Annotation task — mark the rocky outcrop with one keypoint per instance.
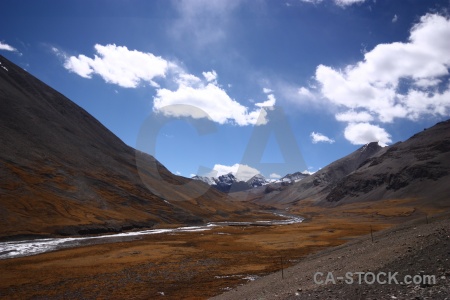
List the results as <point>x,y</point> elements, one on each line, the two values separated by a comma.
<point>419,161</point>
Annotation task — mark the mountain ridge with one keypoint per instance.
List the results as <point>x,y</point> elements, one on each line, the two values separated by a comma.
<point>228,183</point>
<point>373,173</point>
<point>69,174</point>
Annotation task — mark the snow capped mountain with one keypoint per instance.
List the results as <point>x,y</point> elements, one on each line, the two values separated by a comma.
<point>229,182</point>
<point>227,179</point>
<point>295,177</point>
<point>257,180</point>
<point>205,179</point>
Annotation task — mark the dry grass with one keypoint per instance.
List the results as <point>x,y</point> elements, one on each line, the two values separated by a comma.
<point>193,265</point>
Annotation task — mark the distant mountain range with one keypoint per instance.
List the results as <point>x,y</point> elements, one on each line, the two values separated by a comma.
<point>228,183</point>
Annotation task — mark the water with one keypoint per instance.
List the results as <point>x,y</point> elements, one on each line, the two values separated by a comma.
<point>37,246</point>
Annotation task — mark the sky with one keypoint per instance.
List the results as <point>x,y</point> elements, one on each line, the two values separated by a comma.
<point>245,86</point>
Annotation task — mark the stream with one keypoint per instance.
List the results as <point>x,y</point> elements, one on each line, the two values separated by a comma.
<point>15,249</point>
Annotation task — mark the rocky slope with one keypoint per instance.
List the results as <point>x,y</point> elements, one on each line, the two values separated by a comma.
<point>257,180</point>
<point>319,184</point>
<point>417,168</point>
<point>294,177</point>
<point>63,172</point>
<point>413,249</point>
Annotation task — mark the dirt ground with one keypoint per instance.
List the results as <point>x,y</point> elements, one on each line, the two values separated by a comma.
<point>194,265</point>
<point>366,269</point>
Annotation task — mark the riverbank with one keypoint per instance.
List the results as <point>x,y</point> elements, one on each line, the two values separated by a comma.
<point>28,247</point>
<point>192,265</point>
<point>411,261</point>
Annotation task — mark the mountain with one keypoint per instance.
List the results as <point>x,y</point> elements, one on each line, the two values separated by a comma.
<point>228,183</point>
<point>205,179</point>
<point>225,183</point>
<point>295,177</point>
<point>418,168</point>
<point>257,180</point>
<point>63,172</point>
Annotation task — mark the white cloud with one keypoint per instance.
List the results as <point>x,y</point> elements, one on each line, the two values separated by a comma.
<point>177,173</point>
<point>118,65</point>
<point>212,99</point>
<point>267,91</point>
<point>347,2</point>
<point>242,172</point>
<point>128,68</point>
<point>341,3</point>
<point>363,133</point>
<point>274,176</point>
<point>396,80</point>
<point>210,76</point>
<point>317,137</point>
<point>6,47</point>
<point>268,103</point>
<point>353,116</point>
<point>312,1</point>
<point>376,85</point>
<point>395,19</point>
<point>306,93</point>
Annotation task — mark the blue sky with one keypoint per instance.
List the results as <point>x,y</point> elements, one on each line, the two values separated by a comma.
<point>320,77</point>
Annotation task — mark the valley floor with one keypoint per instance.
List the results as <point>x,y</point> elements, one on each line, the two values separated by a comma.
<point>412,261</point>
<point>199,265</point>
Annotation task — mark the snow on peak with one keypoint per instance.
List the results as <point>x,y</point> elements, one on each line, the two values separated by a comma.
<point>3,67</point>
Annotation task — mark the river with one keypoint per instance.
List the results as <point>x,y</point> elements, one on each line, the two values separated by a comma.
<point>15,249</point>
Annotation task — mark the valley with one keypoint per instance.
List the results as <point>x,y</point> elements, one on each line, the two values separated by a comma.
<point>199,264</point>
<point>89,217</point>
<point>13,249</point>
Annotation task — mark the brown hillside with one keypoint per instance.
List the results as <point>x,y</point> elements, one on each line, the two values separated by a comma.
<point>63,172</point>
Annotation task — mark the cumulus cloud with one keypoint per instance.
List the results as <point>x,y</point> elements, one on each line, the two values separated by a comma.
<point>363,133</point>
<point>210,76</point>
<point>269,102</point>
<point>267,91</point>
<point>317,137</point>
<point>396,80</point>
<point>240,171</point>
<point>376,85</point>
<point>118,65</point>
<point>129,68</point>
<point>212,99</point>
<point>353,116</point>
<point>274,176</point>
<point>6,47</point>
